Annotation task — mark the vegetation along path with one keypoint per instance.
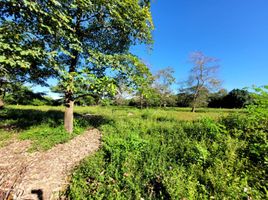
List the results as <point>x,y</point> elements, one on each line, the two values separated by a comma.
<point>42,175</point>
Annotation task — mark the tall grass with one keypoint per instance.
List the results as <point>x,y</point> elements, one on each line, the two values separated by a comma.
<point>154,154</point>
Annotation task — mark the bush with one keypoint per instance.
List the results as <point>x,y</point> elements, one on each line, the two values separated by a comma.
<point>38,102</point>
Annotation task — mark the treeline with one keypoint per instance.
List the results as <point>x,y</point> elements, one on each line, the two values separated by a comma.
<point>23,95</point>
<point>237,98</point>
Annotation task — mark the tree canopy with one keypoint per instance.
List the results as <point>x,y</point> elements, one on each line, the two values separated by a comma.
<point>84,44</point>
<point>202,78</point>
<point>163,81</point>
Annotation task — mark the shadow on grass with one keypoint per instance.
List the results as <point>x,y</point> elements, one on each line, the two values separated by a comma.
<point>158,189</point>
<point>23,119</point>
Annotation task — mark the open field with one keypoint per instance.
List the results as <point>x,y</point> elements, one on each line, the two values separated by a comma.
<point>44,124</point>
<point>175,154</point>
<point>133,100</point>
<point>154,153</point>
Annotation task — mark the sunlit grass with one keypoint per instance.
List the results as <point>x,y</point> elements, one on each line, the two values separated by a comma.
<point>148,153</point>
<point>43,125</point>
<point>5,137</point>
<point>167,154</point>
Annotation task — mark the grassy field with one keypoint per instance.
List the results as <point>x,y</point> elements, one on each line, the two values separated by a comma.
<point>175,154</point>
<point>155,153</point>
<point>44,124</point>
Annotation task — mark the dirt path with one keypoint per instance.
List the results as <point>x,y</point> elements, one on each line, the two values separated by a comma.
<point>41,175</point>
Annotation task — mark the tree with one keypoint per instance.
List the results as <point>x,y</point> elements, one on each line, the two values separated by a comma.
<point>144,91</point>
<point>237,98</point>
<point>22,95</point>
<point>163,80</point>
<point>122,94</point>
<point>3,80</point>
<point>22,49</point>
<point>85,43</point>
<point>202,78</point>
<point>216,100</point>
<point>183,99</point>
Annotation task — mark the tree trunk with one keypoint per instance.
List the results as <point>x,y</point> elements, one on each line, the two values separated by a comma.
<point>141,101</point>
<point>69,100</point>
<point>69,116</point>
<point>1,103</point>
<point>195,99</point>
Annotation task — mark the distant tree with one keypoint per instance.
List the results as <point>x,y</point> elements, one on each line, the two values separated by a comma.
<point>216,100</point>
<point>202,78</point>
<point>23,95</point>
<point>144,92</point>
<point>83,42</point>
<point>145,97</point>
<point>183,99</point>
<point>163,81</point>
<point>237,98</point>
<point>172,100</point>
<point>123,92</point>
<point>86,101</point>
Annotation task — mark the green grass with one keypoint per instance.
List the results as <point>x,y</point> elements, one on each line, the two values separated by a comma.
<point>43,125</point>
<point>5,137</point>
<point>155,153</point>
<point>174,154</point>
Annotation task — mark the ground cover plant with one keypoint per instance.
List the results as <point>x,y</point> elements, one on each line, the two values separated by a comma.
<point>153,154</point>
<point>166,153</point>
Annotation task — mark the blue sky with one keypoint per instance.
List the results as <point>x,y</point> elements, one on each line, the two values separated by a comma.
<point>234,31</point>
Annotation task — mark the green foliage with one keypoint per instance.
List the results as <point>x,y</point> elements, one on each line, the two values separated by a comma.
<point>162,85</point>
<point>22,51</point>
<point>237,99</point>
<point>86,101</point>
<point>83,44</point>
<point>22,120</point>
<point>183,99</point>
<point>152,155</point>
<point>106,102</point>
<point>23,95</point>
<point>78,40</point>
<point>253,130</point>
<point>156,153</point>
<point>260,98</point>
<point>216,100</point>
